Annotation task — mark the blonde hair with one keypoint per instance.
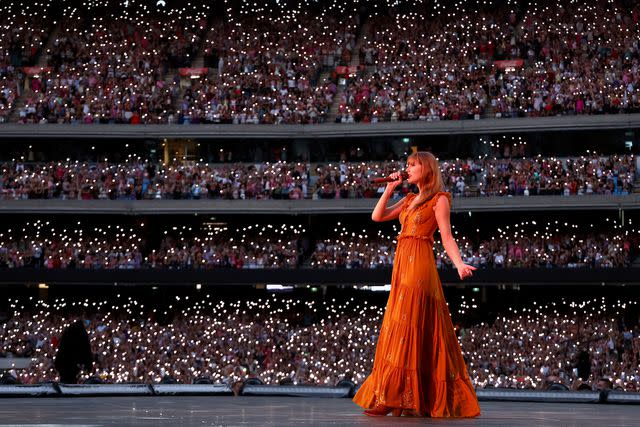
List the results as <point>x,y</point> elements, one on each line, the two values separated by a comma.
<point>431,181</point>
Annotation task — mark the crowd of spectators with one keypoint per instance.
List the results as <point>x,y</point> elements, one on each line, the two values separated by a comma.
<point>589,174</point>
<point>268,68</point>
<point>42,244</point>
<point>10,88</point>
<point>140,179</point>
<point>572,62</point>
<point>582,344</point>
<point>23,36</point>
<point>253,246</point>
<point>21,41</point>
<point>123,68</point>
<point>112,69</point>
<point>421,68</point>
<point>443,63</point>
<point>349,249</point>
<point>523,245</point>
<point>532,245</point>
<point>450,66</point>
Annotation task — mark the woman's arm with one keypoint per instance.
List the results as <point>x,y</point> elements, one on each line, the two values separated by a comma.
<point>383,213</point>
<point>442,210</point>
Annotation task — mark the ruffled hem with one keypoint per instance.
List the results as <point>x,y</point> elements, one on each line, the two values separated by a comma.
<point>387,392</point>
<point>418,364</point>
<point>443,397</point>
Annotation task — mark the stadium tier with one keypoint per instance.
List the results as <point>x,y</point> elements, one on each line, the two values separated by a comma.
<point>136,62</point>
<point>138,179</point>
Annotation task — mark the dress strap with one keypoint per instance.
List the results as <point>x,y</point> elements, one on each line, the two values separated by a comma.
<point>439,194</point>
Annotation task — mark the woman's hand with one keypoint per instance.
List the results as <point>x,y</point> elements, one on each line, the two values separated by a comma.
<point>465,271</point>
<point>397,176</point>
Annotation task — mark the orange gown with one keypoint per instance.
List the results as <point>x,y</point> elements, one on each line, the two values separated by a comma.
<point>418,363</point>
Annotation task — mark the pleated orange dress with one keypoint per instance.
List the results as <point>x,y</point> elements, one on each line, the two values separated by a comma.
<point>418,362</point>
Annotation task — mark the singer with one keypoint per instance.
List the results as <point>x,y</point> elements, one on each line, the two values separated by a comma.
<point>418,367</point>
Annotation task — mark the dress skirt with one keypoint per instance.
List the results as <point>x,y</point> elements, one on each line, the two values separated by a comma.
<point>418,362</point>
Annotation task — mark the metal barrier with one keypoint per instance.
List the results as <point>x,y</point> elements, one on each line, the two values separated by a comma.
<point>503,395</point>
<point>36,390</point>
<point>484,395</point>
<point>191,389</point>
<point>296,390</point>
<point>106,389</point>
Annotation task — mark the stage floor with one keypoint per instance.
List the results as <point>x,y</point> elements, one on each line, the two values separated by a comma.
<point>284,411</point>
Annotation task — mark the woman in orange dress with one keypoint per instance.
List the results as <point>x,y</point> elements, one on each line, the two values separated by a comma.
<point>418,366</point>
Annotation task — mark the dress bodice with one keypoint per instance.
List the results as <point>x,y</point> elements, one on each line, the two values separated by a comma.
<point>421,222</point>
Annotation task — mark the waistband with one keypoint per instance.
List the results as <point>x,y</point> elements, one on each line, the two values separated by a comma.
<point>428,239</point>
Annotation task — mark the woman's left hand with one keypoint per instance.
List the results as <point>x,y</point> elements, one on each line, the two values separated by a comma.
<point>465,271</point>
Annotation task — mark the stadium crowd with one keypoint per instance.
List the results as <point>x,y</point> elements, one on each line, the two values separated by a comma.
<point>20,43</point>
<point>111,70</point>
<point>423,68</point>
<point>10,89</point>
<point>349,249</point>
<point>284,340</point>
<point>40,244</point>
<point>524,245</point>
<point>140,179</point>
<point>268,69</point>
<point>252,246</point>
<point>572,63</point>
<point>267,62</point>
<point>528,244</point>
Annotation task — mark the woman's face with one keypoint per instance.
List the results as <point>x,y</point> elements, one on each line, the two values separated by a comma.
<point>414,169</point>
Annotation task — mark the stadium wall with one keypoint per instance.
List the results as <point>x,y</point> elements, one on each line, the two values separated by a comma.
<point>90,133</point>
<point>322,206</point>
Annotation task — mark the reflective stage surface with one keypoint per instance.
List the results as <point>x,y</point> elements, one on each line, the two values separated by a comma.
<point>284,411</point>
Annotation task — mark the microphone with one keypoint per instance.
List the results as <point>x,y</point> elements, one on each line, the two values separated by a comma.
<point>403,175</point>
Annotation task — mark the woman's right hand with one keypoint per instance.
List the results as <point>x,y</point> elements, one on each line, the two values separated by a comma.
<point>397,176</point>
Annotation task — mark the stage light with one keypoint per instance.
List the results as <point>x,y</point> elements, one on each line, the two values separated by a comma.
<point>276,287</point>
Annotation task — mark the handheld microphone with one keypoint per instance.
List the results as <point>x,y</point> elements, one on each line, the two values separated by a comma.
<point>403,175</point>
